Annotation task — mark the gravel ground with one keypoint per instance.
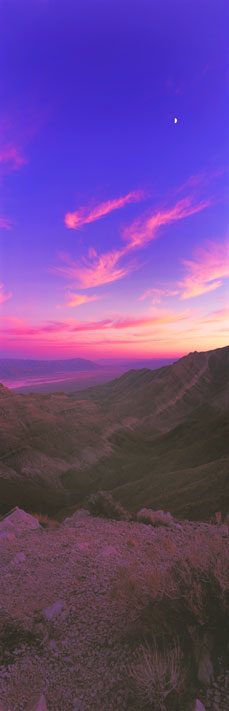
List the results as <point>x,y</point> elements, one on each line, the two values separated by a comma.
<point>58,591</point>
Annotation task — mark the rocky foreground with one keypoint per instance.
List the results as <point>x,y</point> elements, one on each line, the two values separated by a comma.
<point>65,641</point>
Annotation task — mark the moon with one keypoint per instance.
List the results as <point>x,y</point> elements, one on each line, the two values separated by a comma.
<point>175,120</point>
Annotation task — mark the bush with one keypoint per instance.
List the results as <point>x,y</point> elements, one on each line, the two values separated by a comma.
<point>102,504</point>
<point>155,518</point>
<point>46,522</point>
<point>181,593</point>
<point>155,675</point>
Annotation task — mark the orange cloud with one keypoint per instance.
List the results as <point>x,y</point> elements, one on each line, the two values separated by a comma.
<point>84,215</point>
<point>207,271</point>
<point>78,299</point>
<point>3,295</point>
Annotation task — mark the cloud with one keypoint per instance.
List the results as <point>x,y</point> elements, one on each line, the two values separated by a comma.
<point>157,294</point>
<point>11,156</point>
<point>14,327</point>
<point>5,223</point>
<point>95,270</point>
<point>84,215</point>
<point>144,230</point>
<point>218,316</point>
<point>207,271</point>
<point>3,296</point>
<point>78,299</point>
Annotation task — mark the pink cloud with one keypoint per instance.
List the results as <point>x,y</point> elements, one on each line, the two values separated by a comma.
<point>84,215</point>
<point>78,299</point>
<point>97,270</point>
<point>11,156</point>
<point>5,223</point>
<point>157,294</point>
<point>207,271</point>
<point>144,230</point>
<point>21,329</point>
<point>216,316</point>
<point>3,296</point>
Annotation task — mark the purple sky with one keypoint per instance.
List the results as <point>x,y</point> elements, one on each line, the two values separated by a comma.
<point>112,215</point>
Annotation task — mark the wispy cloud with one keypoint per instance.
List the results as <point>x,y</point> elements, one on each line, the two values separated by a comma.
<point>218,316</point>
<point>207,271</point>
<point>96,270</point>
<point>157,294</point>
<point>78,299</point>
<point>3,296</point>
<point>120,322</point>
<point>5,223</point>
<point>144,230</point>
<point>88,213</point>
<point>11,156</point>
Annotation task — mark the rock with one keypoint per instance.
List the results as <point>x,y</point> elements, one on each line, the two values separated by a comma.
<point>109,550</point>
<point>77,516</point>
<point>38,703</point>
<point>198,706</point>
<point>18,558</point>
<point>58,608</point>
<point>8,537</point>
<point>19,521</point>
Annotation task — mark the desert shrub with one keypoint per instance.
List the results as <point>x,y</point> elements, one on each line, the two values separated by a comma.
<point>46,522</point>
<point>155,518</point>
<point>155,674</point>
<point>102,504</point>
<point>180,594</point>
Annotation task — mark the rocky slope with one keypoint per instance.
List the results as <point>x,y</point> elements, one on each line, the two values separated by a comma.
<point>159,438</point>
<point>64,623</point>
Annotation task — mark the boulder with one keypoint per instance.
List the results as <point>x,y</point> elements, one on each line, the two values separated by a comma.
<point>198,706</point>
<point>18,558</point>
<point>18,521</point>
<point>58,608</point>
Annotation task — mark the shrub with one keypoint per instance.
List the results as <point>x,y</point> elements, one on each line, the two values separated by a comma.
<point>102,504</point>
<point>155,518</point>
<point>155,675</point>
<point>179,594</point>
<point>46,522</point>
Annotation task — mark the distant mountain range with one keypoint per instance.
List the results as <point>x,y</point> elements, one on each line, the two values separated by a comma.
<point>155,438</point>
<point>14,367</point>
<point>68,375</point>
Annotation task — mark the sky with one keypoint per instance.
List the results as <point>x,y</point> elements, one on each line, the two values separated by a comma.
<point>113,178</point>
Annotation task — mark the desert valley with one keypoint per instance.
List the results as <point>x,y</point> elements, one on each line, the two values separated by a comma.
<point>114,355</point>
<point>114,543</point>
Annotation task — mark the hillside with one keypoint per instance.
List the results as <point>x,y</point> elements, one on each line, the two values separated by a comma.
<point>88,603</point>
<point>152,437</point>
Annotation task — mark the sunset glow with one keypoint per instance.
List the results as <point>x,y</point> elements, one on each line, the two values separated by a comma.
<point>113,212</point>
